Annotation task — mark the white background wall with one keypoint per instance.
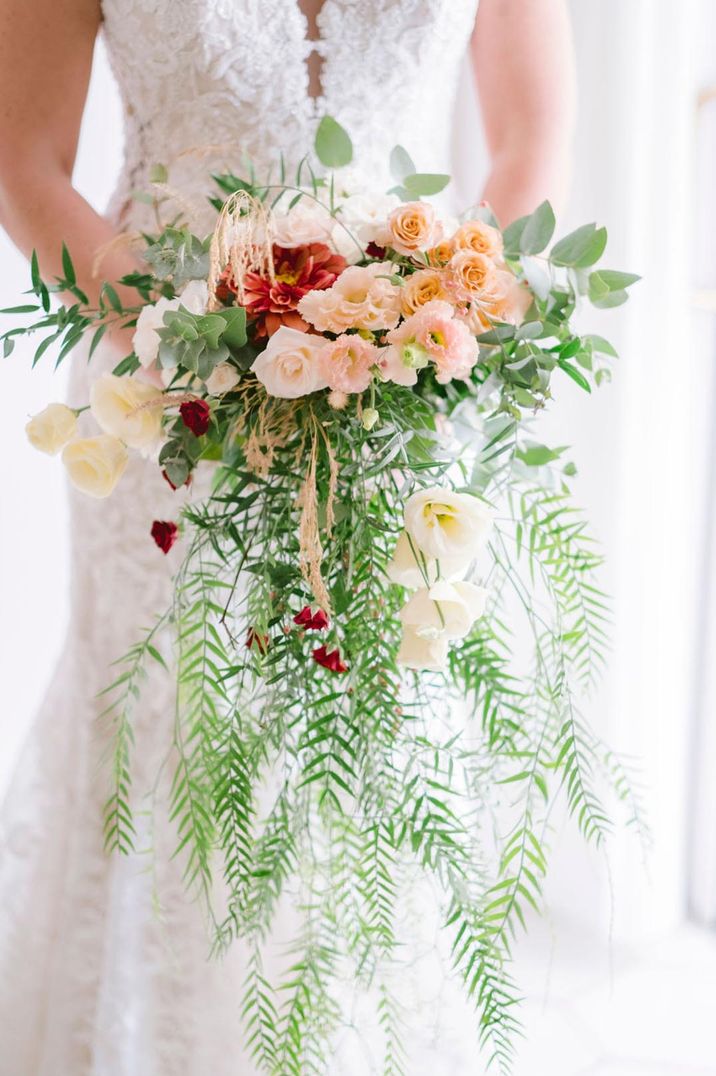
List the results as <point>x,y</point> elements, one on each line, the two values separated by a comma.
<point>640,444</point>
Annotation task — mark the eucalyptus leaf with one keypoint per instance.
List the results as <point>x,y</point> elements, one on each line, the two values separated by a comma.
<point>581,248</point>
<point>538,230</point>
<point>537,278</point>
<point>512,237</point>
<point>423,184</point>
<point>401,164</point>
<point>333,146</point>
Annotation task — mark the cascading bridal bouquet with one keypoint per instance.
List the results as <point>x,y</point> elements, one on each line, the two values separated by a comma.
<point>366,373</point>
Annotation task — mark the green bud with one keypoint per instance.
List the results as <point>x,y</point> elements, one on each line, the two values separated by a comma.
<point>370,417</point>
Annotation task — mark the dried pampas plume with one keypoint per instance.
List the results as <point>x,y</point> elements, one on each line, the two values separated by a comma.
<point>242,241</point>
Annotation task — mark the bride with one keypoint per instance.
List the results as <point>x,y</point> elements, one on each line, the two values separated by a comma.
<point>103,959</point>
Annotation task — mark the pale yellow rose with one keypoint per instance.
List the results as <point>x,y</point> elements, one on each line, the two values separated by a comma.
<point>421,288</point>
<point>129,409</point>
<point>444,523</point>
<point>414,227</point>
<point>418,652</point>
<point>52,428</point>
<point>475,276</point>
<point>95,464</point>
<point>444,610</point>
<point>480,237</point>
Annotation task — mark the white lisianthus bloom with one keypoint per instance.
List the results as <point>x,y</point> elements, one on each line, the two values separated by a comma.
<point>95,464</point>
<point>223,378</point>
<point>362,217</point>
<point>408,570</point>
<point>291,365</point>
<point>52,428</point>
<point>194,298</point>
<point>418,652</point>
<point>444,610</point>
<point>443,523</point>
<point>128,409</point>
<point>306,222</point>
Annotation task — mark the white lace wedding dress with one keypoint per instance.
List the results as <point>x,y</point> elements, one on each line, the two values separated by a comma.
<point>103,959</point>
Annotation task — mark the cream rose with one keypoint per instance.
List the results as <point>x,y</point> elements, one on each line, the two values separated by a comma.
<point>408,570</point>
<point>128,409</point>
<point>418,652</point>
<point>444,610</point>
<point>306,222</point>
<point>146,341</point>
<point>414,227</point>
<point>52,428</point>
<point>223,378</point>
<point>362,219</point>
<point>291,364</point>
<point>95,464</point>
<point>443,523</point>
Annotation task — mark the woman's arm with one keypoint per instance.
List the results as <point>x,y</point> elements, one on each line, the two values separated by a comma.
<point>524,67</point>
<point>46,51</point>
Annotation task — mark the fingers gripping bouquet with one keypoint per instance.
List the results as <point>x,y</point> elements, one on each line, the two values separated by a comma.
<point>366,372</point>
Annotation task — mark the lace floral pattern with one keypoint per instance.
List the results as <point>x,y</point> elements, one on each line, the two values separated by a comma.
<point>103,959</point>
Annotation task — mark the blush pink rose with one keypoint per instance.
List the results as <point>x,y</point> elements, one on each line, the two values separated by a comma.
<point>347,363</point>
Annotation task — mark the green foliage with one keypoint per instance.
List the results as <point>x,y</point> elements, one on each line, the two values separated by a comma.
<point>333,146</point>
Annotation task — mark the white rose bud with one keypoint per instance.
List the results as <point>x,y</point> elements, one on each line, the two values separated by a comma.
<point>443,523</point>
<point>52,428</point>
<point>223,378</point>
<point>129,409</point>
<point>418,652</point>
<point>95,464</point>
<point>445,610</point>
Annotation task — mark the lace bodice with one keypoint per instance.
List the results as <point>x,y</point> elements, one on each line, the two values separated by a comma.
<point>233,75</point>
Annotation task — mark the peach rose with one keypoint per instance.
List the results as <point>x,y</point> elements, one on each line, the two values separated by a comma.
<point>414,227</point>
<point>475,276</point>
<point>480,237</point>
<point>440,255</point>
<point>421,288</point>
<point>363,297</point>
<point>347,363</point>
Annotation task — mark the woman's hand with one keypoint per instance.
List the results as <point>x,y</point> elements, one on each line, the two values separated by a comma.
<point>524,67</point>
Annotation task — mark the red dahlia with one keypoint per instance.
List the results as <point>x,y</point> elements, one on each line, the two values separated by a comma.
<point>297,270</point>
<point>195,415</point>
<point>329,660</point>
<point>165,534</point>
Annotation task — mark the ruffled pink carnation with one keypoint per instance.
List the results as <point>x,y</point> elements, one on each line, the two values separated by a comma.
<point>347,363</point>
<point>432,334</point>
<point>361,298</point>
